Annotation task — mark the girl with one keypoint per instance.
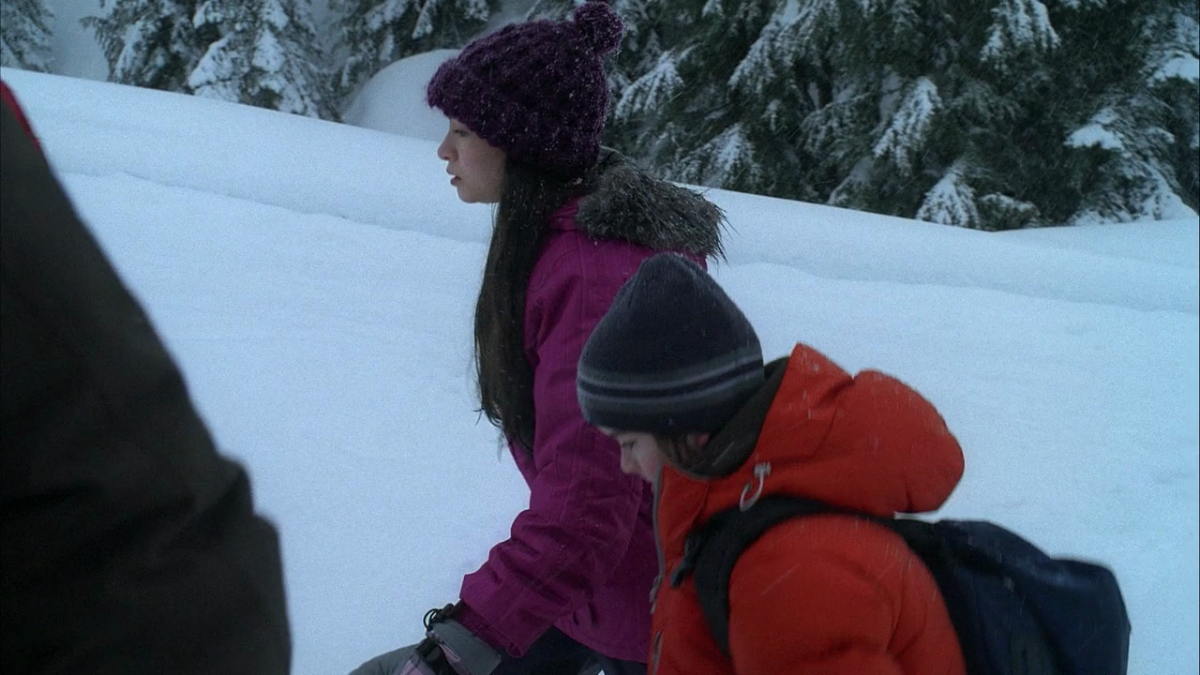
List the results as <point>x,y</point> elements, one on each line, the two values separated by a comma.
<point>568,593</point>
<point>674,372</point>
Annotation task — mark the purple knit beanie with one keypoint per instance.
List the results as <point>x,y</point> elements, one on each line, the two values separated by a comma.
<point>536,90</point>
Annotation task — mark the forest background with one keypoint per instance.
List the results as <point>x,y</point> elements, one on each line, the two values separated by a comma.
<point>987,114</point>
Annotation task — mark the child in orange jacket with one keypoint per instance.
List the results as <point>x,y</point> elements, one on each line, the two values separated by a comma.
<point>674,372</point>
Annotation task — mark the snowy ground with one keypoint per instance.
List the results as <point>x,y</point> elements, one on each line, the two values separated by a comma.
<point>316,283</point>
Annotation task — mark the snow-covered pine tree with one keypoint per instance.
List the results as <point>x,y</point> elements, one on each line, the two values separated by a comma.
<point>823,53</point>
<point>265,53</point>
<point>1029,112</point>
<point>149,43</point>
<point>25,34</point>
<point>950,111</point>
<point>876,85</point>
<point>680,114</point>
<point>1139,144</point>
<point>1092,139</point>
<point>640,52</point>
<point>727,101</point>
<point>950,201</point>
<point>1172,75</point>
<point>374,33</point>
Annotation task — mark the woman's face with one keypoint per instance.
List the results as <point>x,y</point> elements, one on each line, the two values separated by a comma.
<point>477,167</point>
<point>640,454</point>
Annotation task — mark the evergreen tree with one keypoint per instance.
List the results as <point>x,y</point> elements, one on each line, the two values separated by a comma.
<point>681,114</point>
<point>1139,142</point>
<point>641,48</point>
<point>149,43</point>
<point>266,55</point>
<point>1030,112</point>
<point>375,33</point>
<point>25,34</point>
<point>1172,75</point>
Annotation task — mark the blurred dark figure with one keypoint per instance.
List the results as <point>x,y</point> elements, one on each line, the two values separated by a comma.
<point>127,544</point>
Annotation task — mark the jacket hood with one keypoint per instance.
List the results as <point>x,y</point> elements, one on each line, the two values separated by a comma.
<point>867,442</point>
<point>625,203</point>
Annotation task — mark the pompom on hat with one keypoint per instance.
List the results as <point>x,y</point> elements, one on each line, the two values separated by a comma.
<point>536,90</point>
<point>673,355</point>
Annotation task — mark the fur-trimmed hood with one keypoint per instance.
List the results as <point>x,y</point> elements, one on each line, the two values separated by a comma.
<point>626,203</point>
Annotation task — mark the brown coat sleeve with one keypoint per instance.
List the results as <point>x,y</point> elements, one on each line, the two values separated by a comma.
<point>129,544</point>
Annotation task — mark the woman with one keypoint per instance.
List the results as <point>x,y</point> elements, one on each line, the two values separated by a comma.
<point>569,591</point>
<point>675,373</point>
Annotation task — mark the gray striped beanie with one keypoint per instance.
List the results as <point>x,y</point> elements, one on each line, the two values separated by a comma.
<point>673,355</point>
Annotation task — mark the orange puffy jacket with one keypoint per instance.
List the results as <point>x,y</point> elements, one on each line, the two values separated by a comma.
<point>827,594</point>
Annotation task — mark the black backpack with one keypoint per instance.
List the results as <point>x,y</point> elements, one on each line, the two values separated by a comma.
<point>1016,610</point>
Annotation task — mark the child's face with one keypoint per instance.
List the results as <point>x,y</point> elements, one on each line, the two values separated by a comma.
<point>477,166</point>
<point>640,454</point>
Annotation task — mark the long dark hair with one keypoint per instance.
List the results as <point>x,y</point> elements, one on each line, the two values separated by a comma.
<point>504,375</point>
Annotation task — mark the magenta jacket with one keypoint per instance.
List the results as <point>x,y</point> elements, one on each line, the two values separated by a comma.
<point>582,556</point>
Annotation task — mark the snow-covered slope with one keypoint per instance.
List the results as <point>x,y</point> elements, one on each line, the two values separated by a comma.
<point>316,282</point>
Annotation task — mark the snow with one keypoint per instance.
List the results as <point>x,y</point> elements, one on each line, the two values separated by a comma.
<point>749,75</point>
<point>276,16</point>
<point>424,24</point>
<point>725,156</point>
<point>316,283</point>
<point>789,12</point>
<point>386,12</point>
<point>387,103</point>
<point>76,51</point>
<point>1184,66</point>
<point>269,55</point>
<point>1096,133</point>
<point>910,125</point>
<point>1019,24</point>
<point>213,76</point>
<point>653,90</point>
<point>951,201</point>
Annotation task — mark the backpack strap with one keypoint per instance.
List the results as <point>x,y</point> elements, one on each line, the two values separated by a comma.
<point>1010,604</point>
<point>711,551</point>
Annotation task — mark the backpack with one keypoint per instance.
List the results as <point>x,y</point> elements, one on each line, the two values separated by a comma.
<point>1016,610</point>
